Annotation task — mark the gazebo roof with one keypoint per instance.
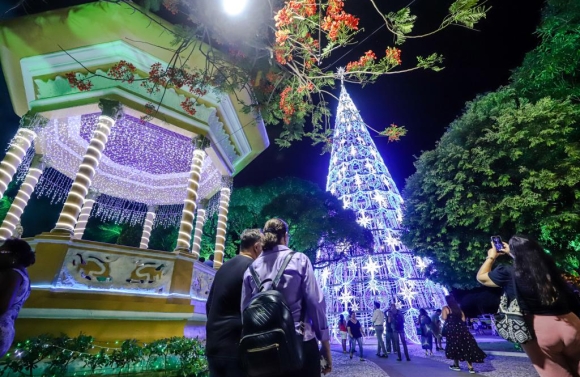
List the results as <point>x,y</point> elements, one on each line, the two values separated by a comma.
<point>36,52</point>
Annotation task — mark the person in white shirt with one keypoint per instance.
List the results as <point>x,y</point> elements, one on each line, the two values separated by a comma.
<point>378,322</point>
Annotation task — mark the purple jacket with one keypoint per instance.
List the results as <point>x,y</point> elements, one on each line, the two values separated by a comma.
<point>297,283</point>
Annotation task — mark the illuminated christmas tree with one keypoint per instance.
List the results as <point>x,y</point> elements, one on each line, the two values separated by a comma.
<point>359,177</point>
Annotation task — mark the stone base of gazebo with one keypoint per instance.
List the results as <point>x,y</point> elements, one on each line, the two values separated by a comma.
<point>112,292</point>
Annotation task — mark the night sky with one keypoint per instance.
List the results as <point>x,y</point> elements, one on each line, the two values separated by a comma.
<point>425,102</point>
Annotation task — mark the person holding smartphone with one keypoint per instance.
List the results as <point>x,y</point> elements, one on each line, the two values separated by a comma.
<point>544,298</point>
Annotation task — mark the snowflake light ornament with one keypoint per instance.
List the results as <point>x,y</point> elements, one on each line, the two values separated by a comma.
<point>359,177</point>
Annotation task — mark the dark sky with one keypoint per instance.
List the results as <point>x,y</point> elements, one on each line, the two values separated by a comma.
<point>425,102</point>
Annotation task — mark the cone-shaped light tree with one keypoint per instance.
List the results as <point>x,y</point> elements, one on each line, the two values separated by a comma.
<point>360,179</point>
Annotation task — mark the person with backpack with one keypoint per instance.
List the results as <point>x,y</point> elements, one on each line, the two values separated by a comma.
<point>396,320</point>
<point>224,319</point>
<point>283,312</point>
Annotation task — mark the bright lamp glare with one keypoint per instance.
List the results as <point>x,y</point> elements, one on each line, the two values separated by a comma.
<point>234,7</point>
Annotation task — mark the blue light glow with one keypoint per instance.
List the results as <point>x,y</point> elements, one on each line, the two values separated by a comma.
<point>113,290</point>
<point>359,177</point>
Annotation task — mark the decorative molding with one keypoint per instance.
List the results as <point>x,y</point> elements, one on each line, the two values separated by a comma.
<point>59,86</point>
<point>222,138</point>
<point>233,125</point>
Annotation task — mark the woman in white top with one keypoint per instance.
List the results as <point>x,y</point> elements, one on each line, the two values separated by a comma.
<point>15,256</point>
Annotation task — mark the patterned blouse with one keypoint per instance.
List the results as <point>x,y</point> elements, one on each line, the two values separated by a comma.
<point>7,319</point>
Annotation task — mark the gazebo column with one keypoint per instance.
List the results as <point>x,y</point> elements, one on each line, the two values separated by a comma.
<point>111,112</point>
<point>199,222</point>
<point>12,219</point>
<point>83,219</point>
<point>147,226</point>
<point>189,204</point>
<point>19,147</point>
<point>222,224</point>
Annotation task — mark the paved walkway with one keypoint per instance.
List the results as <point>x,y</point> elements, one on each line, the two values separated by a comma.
<point>422,366</point>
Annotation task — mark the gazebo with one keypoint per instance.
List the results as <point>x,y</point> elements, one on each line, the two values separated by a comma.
<point>100,153</point>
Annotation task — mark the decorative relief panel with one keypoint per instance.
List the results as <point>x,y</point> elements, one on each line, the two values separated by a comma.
<point>201,281</point>
<point>102,270</point>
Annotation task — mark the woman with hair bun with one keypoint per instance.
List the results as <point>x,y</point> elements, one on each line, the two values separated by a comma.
<point>15,256</point>
<point>299,287</point>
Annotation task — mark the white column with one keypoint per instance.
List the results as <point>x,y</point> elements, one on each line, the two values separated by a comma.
<point>222,224</point>
<point>83,219</point>
<point>147,226</point>
<point>190,202</point>
<point>199,222</point>
<point>111,112</point>
<point>12,219</point>
<point>19,147</point>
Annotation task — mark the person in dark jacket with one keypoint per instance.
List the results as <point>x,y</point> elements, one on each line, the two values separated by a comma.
<point>396,320</point>
<point>224,318</point>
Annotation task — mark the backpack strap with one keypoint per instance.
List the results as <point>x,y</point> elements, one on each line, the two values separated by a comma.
<point>281,270</point>
<point>256,278</point>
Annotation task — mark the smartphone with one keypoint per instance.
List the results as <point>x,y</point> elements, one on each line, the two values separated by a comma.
<point>496,241</point>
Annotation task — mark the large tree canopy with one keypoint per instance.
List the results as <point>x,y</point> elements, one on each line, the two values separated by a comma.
<point>510,164</point>
<point>507,165</point>
<point>553,69</point>
<point>319,226</point>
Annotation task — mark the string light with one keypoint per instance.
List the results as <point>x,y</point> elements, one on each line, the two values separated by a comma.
<point>359,177</point>
<point>141,162</point>
<point>147,226</point>
<point>222,223</point>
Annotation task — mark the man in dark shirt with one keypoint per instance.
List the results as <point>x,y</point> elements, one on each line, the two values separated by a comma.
<point>224,319</point>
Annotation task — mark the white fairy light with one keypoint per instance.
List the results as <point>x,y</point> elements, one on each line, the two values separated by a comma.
<point>359,177</point>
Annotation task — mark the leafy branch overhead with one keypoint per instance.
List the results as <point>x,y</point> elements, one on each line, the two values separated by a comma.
<point>286,53</point>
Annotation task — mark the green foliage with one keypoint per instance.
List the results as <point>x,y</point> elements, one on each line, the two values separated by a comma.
<point>402,23</point>
<point>100,231</point>
<point>178,355</point>
<point>8,198</point>
<point>317,221</point>
<point>553,68</point>
<point>506,165</point>
<point>510,163</point>
<point>130,235</point>
<point>163,238</point>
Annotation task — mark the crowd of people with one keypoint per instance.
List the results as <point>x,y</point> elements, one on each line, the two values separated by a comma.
<point>460,344</point>
<point>549,308</point>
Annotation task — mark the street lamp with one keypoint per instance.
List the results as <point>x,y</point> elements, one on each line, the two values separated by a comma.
<point>234,7</point>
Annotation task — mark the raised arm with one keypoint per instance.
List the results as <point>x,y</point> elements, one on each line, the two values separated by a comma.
<point>484,270</point>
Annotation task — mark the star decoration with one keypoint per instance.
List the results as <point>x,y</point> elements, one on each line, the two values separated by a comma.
<point>391,241</point>
<point>421,264</point>
<point>352,266</point>
<point>371,268</point>
<point>373,287</point>
<point>380,199</point>
<point>407,292</point>
<point>354,306</point>
<point>346,296</point>
<point>364,221</point>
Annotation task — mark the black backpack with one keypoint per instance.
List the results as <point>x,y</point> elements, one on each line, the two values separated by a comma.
<point>270,344</point>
